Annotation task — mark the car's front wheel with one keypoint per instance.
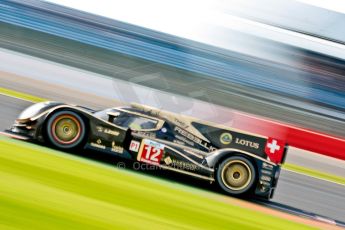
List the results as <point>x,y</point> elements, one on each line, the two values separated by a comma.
<point>65,130</point>
<point>236,175</point>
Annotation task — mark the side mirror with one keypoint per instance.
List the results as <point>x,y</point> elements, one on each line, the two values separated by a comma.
<point>112,116</point>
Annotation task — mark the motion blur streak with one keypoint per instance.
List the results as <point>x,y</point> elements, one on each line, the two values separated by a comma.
<point>124,91</point>
<point>242,63</point>
<point>261,63</point>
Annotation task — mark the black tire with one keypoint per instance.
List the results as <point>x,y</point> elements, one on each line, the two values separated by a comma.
<point>65,130</point>
<point>236,175</point>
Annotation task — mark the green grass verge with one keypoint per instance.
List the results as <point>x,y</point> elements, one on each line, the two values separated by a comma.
<point>24,96</point>
<point>314,173</point>
<point>46,189</point>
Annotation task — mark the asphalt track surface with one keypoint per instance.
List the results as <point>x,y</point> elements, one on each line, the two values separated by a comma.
<point>296,193</point>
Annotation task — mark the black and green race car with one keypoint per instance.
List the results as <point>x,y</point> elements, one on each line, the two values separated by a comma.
<point>239,162</point>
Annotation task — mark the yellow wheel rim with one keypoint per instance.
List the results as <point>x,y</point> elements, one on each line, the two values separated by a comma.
<point>236,175</point>
<point>66,129</point>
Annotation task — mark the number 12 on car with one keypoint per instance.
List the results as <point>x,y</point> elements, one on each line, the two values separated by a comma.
<point>151,152</point>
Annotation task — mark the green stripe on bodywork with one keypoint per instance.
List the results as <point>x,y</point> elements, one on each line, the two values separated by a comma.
<point>314,173</point>
<point>46,189</point>
<point>23,96</point>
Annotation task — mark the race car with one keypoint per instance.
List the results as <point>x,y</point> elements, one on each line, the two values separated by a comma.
<point>240,163</point>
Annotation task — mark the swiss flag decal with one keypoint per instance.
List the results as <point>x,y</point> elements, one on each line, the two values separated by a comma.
<point>275,149</point>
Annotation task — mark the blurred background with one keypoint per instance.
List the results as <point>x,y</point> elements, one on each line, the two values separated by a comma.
<point>272,67</point>
<point>279,59</point>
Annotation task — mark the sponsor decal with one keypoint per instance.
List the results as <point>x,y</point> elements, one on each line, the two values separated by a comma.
<point>265,183</point>
<point>134,146</point>
<point>265,178</point>
<point>116,148</point>
<point>187,135</point>
<point>168,160</point>
<point>267,172</point>
<point>264,186</point>
<point>179,142</point>
<point>99,129</point>
<point>181,123</point>
<point>226,138</point>
<point>247,143</point>
<point>183,139</point>
<point>147,134</point>
<point>164,130</point>
<point>151,152</point>
<point>275,149</point>
<point>111,132</point>
<point>193,138</point>
<point>267,166</point>
<point>183,165</point>
<point>98,144</point>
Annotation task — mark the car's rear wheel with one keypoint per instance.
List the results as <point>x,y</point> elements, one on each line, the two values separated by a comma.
<point>236,175</point>
<point>65,130</point>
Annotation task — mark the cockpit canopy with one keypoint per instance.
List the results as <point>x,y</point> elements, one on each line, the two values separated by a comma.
<point>130,119</point>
